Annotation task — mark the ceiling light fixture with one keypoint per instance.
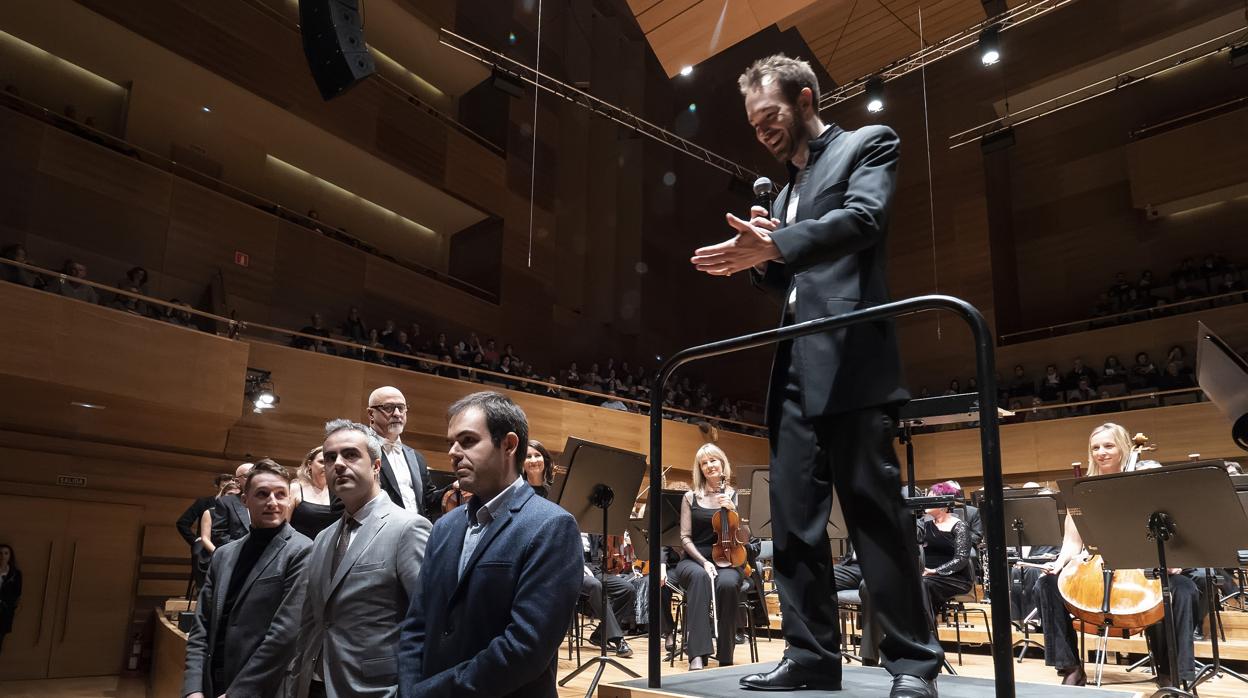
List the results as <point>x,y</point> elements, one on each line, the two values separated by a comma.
<point>875,94</point>
<point>259,390</point>
<point>990,45</point>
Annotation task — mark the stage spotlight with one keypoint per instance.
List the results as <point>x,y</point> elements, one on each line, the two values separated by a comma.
<point>259,390</point>
<point>875,94</point>
<point>686,71</point>
<point>990,45</point>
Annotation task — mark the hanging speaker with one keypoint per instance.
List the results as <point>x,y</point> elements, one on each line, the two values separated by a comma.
<point>333,42</point>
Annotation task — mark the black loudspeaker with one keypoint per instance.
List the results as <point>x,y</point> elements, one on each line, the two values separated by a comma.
<point>333,42</point>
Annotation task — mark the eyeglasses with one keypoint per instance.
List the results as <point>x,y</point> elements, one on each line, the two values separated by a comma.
<point>390,409</point>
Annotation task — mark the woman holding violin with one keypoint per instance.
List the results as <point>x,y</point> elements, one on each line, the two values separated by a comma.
<point>700,572</point>
<point>1109,451</point>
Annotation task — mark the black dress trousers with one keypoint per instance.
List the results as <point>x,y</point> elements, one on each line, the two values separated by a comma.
<point>854,450</point>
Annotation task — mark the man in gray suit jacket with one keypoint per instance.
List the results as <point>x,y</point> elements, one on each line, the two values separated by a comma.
<point>360,576</point>
<point>239,644</point>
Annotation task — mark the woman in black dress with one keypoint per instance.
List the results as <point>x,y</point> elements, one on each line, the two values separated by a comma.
<point>946,542</point>
<point>539,468</point>
<point>10,590</point>
<point>309,496</point>
<point>696,574</point>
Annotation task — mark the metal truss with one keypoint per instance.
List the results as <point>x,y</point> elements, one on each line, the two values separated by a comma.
<point>942,49</point>
<point>523,73</point>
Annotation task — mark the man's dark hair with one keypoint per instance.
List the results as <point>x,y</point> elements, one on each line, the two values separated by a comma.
<point>265,465</point>
<point>501,417</point>
<point>791,74</point>
<point>221,479</point>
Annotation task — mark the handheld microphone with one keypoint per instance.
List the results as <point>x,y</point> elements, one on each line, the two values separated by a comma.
<point>764,193</point>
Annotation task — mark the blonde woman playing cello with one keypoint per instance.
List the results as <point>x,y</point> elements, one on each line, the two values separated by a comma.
<point>1109,451</point>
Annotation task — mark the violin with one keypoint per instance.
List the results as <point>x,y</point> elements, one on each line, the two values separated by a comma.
<point>729,547</point>
<point>453,497</point>
<point>619,555</point>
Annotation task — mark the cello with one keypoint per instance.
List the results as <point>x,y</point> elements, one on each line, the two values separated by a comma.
<point>1126,600</point>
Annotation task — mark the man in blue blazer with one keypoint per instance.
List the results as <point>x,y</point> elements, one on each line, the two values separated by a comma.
<point>501,573</point>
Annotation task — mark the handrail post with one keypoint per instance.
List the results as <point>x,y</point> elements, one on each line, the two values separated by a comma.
<point>993,516</point>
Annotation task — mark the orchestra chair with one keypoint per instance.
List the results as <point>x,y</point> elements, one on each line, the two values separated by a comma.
<point>745,606</point>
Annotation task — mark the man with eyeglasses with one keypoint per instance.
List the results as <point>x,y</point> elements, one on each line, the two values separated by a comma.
<point>404,474</point>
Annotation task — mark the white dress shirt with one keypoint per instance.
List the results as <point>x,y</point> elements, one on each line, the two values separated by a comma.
<point>393,451</point>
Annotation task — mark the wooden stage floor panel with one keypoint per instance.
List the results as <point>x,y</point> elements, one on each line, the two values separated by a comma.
<point>856,682</point>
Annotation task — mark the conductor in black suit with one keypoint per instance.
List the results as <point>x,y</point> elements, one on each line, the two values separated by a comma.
<point>404,474</point>
<point>834,397</point>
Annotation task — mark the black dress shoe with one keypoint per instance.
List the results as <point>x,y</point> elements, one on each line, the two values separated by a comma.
<point>621,648</point>
<point>789,676</point>
<point>739,638</point>
<point>906,686</point>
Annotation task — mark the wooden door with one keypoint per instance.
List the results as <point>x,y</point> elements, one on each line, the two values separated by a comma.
<point>35,527</point>
<point>101,560</point>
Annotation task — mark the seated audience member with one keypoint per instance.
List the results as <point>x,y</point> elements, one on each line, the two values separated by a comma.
<point>73,289</point>
<point>1037,413</point>
<point>190,527</point>
<point>1177,355</point>
<point>613,402</point>
<point>474,343</point>
<point>240,644</point>
<point>316,328</point>
<point>1183,291</point>
<point>1105,407</point>
<point>135,281</point>
<point>415,339</point>
<point>1113,372</point>
<point>954,387</point>
<point>1186,272</point>
<point>387,333</point>
<point>362,573</point>
<point>231,520</point>
<point>1143,373</point>
<point>491,354</point>
<point>946,543</point>
<point>15,275</point>
<point>1082,393</point>
<point>353,327</point>
<point>1118,291</point>
<point>502,573</point>
<point>375,349</point>
<point>1020,384</point>
<point>440,346</point>
<point>1050,384</point>
<point>1080,371</point>
<point>1145,284</point>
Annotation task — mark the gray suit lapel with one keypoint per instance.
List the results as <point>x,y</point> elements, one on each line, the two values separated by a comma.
<point>266,558</point>
<point>363,538</point>
<point>220,586</point>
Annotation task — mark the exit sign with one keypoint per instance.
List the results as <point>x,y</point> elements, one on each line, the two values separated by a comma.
<point>242,259</point>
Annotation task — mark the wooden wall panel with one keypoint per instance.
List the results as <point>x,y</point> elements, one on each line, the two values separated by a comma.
<point>1031,450</point>
<point>475,174</point>
<point>312,273</point>
<point>1192,160</point>
<point>206,229</point>
<point>315,388</point>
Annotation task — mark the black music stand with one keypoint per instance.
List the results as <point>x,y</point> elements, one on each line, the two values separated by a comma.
<point>1178,516</point>
<point>595,473</point>
<point>1034,521</point>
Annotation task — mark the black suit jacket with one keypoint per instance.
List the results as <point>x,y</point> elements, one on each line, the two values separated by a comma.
<point>230,520</point>
<point>429,498</point>
<point>834,255</point>
<point>260,641</point>
<point>190,518</point>
<point>496,630</point>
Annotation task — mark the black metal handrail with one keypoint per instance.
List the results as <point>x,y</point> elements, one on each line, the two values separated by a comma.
<point>991,511</point>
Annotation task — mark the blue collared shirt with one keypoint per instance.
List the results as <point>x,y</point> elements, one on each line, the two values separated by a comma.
<point>480,516</point>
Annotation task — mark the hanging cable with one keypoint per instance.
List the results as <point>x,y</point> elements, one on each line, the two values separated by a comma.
<point>537,68</point>
<point>931,195</point>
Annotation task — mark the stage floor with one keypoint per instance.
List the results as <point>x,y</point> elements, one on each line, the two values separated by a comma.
<point>856,682</point>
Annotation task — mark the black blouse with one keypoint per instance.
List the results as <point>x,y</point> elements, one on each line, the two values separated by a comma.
<point>946,552</point>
